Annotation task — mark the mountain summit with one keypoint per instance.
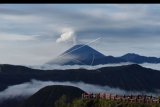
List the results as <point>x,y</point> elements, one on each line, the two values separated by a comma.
<point>78,54</point>
<point>83,55</point>
<point>83,51</point>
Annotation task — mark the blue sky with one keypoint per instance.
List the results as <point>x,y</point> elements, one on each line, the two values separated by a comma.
<point>28,32</point>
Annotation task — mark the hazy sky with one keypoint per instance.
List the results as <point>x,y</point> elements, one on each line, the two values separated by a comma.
<point>36,33</point>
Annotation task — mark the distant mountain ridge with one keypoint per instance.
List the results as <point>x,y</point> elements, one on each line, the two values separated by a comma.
<point>85,55</point>
<point>132,57</point>
<point>127,77</point>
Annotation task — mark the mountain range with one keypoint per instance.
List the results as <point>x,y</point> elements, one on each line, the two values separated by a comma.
<point>85,55</point>
<point>127,77</point>
<point>131,77</point>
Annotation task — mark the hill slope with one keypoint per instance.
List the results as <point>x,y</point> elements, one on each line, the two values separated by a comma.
<point>47,96</point>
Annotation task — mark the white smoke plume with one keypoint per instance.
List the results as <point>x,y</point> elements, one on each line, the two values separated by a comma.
<point>29,88</point>
<point>68,35</point>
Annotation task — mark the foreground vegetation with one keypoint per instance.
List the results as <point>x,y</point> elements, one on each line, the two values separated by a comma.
<point>62,102</point>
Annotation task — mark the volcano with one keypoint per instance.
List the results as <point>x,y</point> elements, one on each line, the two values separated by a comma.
<point>83,55</point>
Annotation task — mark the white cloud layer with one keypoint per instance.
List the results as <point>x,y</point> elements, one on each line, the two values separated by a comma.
<point>152,66</point>
<point>64,67</point>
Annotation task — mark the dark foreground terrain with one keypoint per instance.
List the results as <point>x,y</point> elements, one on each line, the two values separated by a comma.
<point>67,96</point>
<point>47,96</point>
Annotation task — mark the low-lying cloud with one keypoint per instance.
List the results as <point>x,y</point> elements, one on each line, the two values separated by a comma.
<point>152,66</point>
<point>29,88</point>
<point>64,67</point>
<point>89,67</point>
<point>59,61</point>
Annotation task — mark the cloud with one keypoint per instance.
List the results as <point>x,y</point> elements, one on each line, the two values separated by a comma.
<point>20,18</point>
<point>29,88</point>
<point>16,37</point>
<point>60,60</point>
<point>64,67</point>
<point>68,35</point>
<point>152,66</point>
<point>29,52</point>
<point>52,65</point>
